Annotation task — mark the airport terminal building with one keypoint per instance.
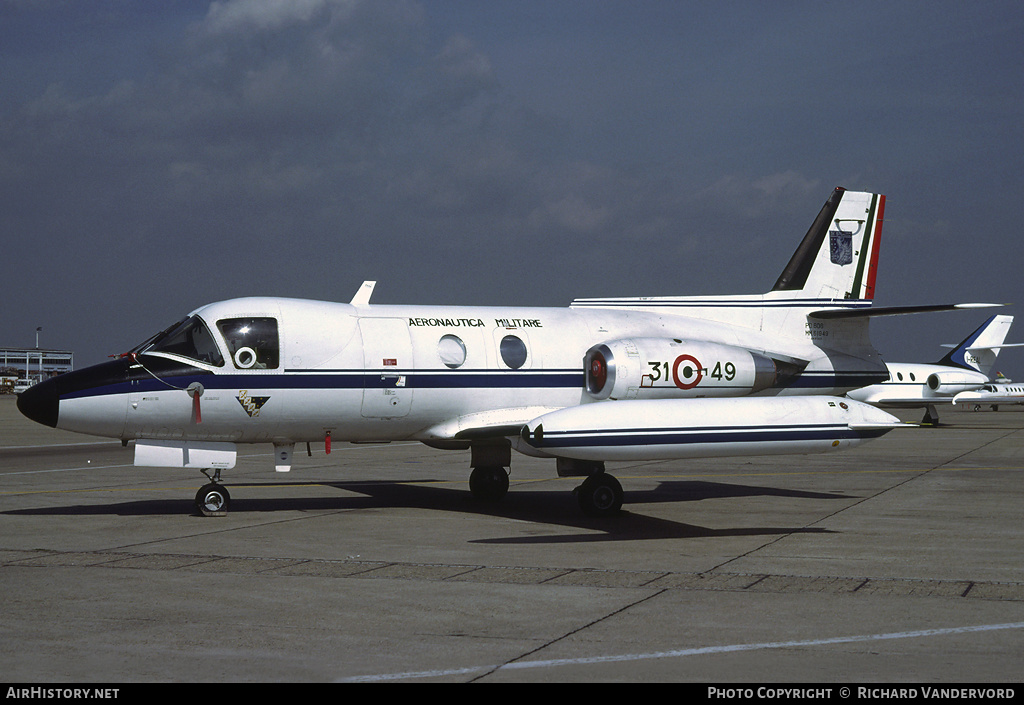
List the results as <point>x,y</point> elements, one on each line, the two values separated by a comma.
<point>32,364</point>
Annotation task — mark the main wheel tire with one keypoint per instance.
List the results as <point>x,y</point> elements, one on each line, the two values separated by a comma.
<point>213,500</point>
<point>600,495</point>
<point>488,483</point>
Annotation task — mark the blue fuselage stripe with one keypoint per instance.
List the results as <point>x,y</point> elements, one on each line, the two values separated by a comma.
<point>692,436</point>
<point>412,379</point>
<point>349,379</point>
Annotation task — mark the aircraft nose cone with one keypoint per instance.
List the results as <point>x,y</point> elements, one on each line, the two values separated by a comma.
<point>41,402</point>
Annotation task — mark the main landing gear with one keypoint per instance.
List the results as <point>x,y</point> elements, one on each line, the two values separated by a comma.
<point>600,495</point>
<point>489,483</point>
<point>213,500</point>
<point>489,480</point>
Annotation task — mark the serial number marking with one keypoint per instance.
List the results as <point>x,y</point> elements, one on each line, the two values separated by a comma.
<point>686,372</point>
<point>816,329</point>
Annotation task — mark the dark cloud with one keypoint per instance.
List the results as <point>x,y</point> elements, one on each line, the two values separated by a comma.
<point>157,156</point>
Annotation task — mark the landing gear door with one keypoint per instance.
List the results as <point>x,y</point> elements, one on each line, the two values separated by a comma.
<point>387,359</point>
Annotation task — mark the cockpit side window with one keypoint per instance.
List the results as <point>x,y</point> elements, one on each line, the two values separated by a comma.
<point>190,338</point>
<point>252,342</point>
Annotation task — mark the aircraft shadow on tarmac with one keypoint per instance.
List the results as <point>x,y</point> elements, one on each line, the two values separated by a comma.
<point>542,507</point>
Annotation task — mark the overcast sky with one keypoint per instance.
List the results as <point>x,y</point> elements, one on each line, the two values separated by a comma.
<point>156,156</point>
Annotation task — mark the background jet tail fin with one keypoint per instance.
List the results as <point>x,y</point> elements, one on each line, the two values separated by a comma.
<point>838,257</point>
<point>979,350</point>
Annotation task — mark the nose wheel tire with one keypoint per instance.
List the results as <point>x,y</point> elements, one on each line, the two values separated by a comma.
<point>600,495</point>
<point>212,500</point>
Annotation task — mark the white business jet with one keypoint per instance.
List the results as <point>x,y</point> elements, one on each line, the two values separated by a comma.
<point>999,391</point>
<point>601,380</point>
<point>966,368</point>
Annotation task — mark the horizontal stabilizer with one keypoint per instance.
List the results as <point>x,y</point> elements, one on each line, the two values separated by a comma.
<point>985,347</point>
<point>836,313</point>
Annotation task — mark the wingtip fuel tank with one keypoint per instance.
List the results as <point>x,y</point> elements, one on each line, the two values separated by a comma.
<point>666,429</point>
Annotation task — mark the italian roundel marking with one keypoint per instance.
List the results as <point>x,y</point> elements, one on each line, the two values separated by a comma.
<point>692,373</point>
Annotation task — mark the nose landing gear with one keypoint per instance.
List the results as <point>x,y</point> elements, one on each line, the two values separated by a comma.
<point>213,500</point>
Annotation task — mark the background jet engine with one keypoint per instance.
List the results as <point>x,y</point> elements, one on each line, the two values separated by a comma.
<point>668,368</point>
<point>955,381</point>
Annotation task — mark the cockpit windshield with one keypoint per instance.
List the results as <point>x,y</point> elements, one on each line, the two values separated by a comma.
<point>189,338</point>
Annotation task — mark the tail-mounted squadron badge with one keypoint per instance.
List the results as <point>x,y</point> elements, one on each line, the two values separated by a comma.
<point>252,405</point>
<point>840,247</point>
<point>841,241</point>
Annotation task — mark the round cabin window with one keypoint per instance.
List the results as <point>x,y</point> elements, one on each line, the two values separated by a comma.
<point>513,352</point>
<point>452,351</point>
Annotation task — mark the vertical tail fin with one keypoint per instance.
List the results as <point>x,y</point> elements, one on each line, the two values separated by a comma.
<point>979,350</point>
<point>838,257</point>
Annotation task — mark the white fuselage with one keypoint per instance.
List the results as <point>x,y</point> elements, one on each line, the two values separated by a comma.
<point>912,385</point>
<point>372,373</point>
<point>994,393</point>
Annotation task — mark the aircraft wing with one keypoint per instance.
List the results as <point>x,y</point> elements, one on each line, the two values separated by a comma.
<point>497,423</point>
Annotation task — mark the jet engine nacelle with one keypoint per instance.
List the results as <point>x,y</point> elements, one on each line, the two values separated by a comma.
<point>955,381</point>
<point>670,368</point>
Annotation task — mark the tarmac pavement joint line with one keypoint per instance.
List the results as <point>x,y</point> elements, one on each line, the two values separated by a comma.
<point>679,653</point>
<point>916,474</point>
<point>712,580</point>
<point>519,659</point>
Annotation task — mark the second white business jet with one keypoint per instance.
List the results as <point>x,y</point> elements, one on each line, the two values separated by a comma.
<point>965,369</point>
<point>999,391</point>
<point>601,380</point>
